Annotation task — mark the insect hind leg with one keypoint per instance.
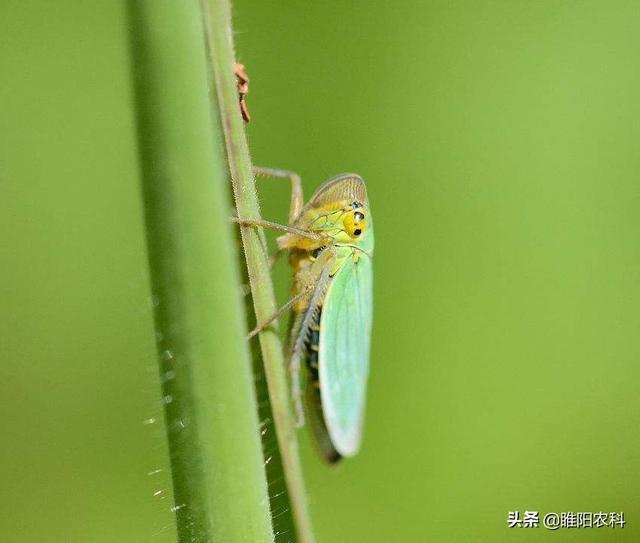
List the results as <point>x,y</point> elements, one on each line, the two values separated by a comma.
<point>303,327</point>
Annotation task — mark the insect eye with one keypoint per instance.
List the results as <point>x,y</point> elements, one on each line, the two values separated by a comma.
<point>355,223</point>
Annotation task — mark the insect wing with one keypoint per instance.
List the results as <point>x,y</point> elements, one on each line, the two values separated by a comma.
<point>345,334</point>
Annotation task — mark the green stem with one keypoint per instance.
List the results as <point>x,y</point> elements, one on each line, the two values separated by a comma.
<point>217,16</point>
<point>219,480</point>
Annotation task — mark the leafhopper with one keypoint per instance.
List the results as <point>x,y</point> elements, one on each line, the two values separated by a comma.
<point>330,244</point>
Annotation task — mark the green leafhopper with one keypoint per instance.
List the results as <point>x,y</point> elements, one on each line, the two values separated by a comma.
<point>330,242</point>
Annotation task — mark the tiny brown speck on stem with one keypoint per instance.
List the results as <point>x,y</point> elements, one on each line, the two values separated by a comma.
<point>242,79</point>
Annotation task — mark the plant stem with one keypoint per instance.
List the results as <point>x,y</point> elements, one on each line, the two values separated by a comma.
<point>219,480</point>
<point>218,19</point>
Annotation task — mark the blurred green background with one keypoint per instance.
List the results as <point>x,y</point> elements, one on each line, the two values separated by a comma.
<point>499,144</point>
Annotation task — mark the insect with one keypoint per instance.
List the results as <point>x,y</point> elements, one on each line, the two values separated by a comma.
<point>330,244</point>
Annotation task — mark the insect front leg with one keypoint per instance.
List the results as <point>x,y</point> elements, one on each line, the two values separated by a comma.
<point>297,203</point>
<point>297,197</point>
<point>276,226</point>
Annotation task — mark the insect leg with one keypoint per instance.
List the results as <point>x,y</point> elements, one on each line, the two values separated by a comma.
<point>276,226</point>
<point>297,197</point>
<point>279,312</point>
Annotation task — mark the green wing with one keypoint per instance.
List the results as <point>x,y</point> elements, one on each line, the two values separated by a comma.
<point>345,335</point>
